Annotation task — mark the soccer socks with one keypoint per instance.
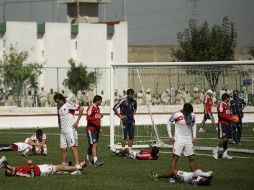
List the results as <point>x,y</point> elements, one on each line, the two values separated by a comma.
<point>45,150</point>
<point>95,158</point>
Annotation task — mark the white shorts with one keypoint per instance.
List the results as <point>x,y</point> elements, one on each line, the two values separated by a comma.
<point>47,169</point>
<point>23,146</point>
<point>183,147</point>
<point>69,139</point>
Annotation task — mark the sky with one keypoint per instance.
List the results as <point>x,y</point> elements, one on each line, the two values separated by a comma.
<point>149,21</point>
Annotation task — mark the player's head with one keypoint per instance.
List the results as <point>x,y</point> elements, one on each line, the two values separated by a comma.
<point>225,97</point>
<point>187,109</point>
<point>97,99</point>
<point>209,92</point>
<point>154,152</point>
<point>59,99</point>
<point>235,94</point>
<point>204,181</point>
<point>39,134</point>
<point>130,93</point>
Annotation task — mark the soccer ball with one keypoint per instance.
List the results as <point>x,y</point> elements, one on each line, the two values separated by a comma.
<point>235,118</point>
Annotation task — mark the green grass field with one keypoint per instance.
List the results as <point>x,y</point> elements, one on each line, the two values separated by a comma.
<point>121,173</point>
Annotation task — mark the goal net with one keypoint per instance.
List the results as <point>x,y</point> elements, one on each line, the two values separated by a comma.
<point>162,88</point>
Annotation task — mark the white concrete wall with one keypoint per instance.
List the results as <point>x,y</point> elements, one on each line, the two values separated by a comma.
<point>56,47</point>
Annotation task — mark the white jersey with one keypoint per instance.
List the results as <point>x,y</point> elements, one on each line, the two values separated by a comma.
<point>185,127</point>
<point>185,176</point>
<point>35,139</point>
<point>66,116</point>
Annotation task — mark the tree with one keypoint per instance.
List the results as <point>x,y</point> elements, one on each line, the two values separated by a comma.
<point>200,43</point>
<point>79,78</point>
<point>17,72</point>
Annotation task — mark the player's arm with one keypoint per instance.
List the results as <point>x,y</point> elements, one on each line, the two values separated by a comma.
<point>32,143</point>
<point>169,130</point>
<point>115,109</point>
<point>80,112</point>
<point>194,131</point>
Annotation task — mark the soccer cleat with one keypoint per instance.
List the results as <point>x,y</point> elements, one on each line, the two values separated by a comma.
<point>215,154</point>
<point>201,130</point>
<point>171,180</point>
<point>89,162</point>
<point>226,156</point>
<point>76,172</point>
<point>153,175</point>
<point>3,158</point>
<point>98,163</point>
<point>44,154</point>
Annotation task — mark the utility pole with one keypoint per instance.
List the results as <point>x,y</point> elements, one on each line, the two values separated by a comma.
<point>77,1</point>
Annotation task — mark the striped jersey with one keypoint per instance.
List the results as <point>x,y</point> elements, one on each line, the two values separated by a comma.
<point>66,116</point>
<point>185,126</point>
<point>127,107</point>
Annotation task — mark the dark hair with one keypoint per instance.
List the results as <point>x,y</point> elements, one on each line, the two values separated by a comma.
<point>154,151</point>
<point>204,182</point>
<point>187,108</point>
<point>224,96</point>
<point>38,132</point>
<point>235,93</point>
<point>59,96</point>
<point>97,98</point>
<point>130,91</point>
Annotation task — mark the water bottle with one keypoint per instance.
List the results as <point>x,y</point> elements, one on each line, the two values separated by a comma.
<point>32,172</point>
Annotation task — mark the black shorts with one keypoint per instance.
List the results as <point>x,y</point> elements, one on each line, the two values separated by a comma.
<point>224,131</point>
<point>128,129</point>
<point>93,136</point>
<point>208,116</point>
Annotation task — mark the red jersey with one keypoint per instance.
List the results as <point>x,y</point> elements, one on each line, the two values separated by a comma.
<point>93,123</point>
<point>224,113</point>
<point>208,104</point>
<point>145,155</point>
<point>25,170</point>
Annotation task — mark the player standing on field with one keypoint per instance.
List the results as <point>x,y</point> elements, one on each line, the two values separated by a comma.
<point>208,104</point>
<point>185,136</point>
<point>224,126</point>
<point>128,107</point>
<point>68,126</point>
<point>93,128</point>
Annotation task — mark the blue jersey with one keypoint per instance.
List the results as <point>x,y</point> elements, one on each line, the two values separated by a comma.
<point>127,107</point>
<point>236,106</point>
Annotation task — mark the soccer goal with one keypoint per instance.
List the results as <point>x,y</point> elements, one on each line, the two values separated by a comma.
<point>161,88</point>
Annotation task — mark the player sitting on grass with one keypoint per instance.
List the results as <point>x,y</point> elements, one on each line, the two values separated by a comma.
<point>30,169</point>
<point>140,155</point>
<point>36,144</point>
<point>196,178</point>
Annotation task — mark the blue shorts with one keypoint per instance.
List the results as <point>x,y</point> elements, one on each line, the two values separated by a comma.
<point>208,116</point>
<point>93,136</point>
<point>224,131</point>
<point>128,129</point>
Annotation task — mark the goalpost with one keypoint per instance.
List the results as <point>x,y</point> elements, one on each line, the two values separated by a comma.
<point>180,79</point>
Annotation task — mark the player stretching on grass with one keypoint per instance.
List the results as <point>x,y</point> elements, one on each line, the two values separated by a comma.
<point>68,126</point>
<point>93,129</point>
<point>224,126</point>
<point>128,107</point>
<point>196,178</point>
<point>30,169</point>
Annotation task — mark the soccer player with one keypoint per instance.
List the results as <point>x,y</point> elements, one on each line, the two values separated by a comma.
<point>68,126</point>
<point>140,155</point>
<point>237,105</point>
<point>17,146</point>
<point>128,107</point>
<point>224,126</point>
<point>208,104</point>
<point>31,170</point>
<point>185,135</point>
<point>196,178</point>
<point>38,142</point>
<point>94,130</point>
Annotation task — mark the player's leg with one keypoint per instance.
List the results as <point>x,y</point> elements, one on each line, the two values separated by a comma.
<point>177,151</point>
<point>189,152</point>
<point>124,135</point>
<point>156,175</point>
<point>131,131</point>
<point>63,148</point>
<point>213,121</point>
<point>228,135</point>
<point>201,130</point>
<point>45,150</point>
<point>239,130</point>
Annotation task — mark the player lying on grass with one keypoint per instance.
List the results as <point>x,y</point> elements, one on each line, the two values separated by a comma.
<point>36,144</point>
<point>30,169</point>
<point>197,178</point>
<point>140,155</point>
